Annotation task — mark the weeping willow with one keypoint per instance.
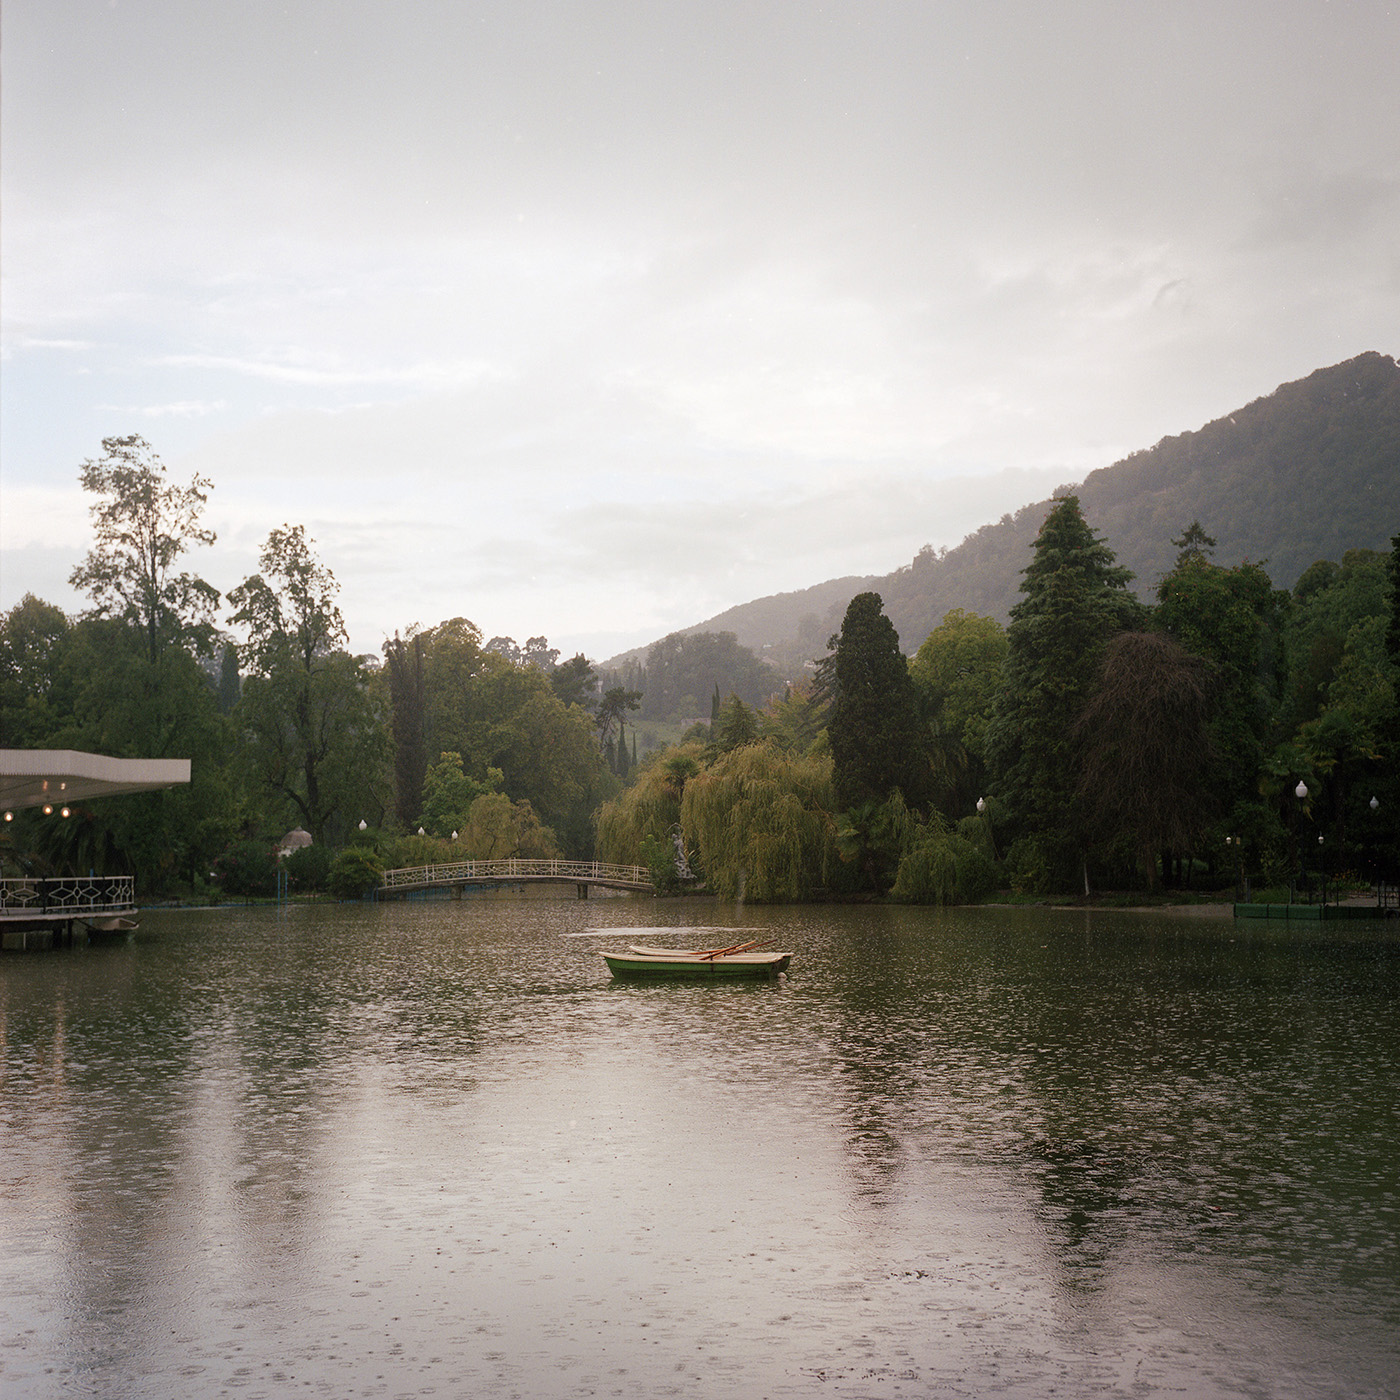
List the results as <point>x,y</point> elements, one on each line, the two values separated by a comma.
<point>650,807</point>
<point>943,867</point>
<point>762,823</point>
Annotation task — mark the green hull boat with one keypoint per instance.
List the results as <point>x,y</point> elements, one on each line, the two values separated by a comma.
<point>680,962</point>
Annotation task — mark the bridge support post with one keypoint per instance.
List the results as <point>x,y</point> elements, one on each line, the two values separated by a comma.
<point>582,889</point>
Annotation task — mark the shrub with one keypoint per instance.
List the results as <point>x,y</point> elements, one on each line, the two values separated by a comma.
<point>247,868</point>
<point>355,872</point>
<point>308,868</point>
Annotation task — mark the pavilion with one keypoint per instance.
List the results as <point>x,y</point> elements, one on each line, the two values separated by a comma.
<point>36,913</point>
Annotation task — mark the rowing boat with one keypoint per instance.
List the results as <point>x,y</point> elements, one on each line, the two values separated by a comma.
<point>684,962</point>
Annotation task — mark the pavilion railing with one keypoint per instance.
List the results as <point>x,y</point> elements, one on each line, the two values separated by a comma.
<point>516,869</point>
<point>66,896</point>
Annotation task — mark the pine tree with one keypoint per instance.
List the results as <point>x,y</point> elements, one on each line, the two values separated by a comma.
<point>1194,543</point>
<point>877,740</point>
<point>1076,598</point>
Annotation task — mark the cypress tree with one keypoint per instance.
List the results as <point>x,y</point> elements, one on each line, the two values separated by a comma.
<point>877,740</point>
<point>230,682</point>
<point>621,765</point>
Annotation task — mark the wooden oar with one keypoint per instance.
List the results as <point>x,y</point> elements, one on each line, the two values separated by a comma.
<point>720,952</point>
<point>712,953</point>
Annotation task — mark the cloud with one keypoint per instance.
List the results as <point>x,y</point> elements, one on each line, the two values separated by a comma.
<point>186,408</point>
<point>423,377</point>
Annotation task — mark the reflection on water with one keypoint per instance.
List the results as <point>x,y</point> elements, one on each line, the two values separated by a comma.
<point>432,1149</point>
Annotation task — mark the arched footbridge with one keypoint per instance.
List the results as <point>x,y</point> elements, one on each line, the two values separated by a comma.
<point>463,874</point>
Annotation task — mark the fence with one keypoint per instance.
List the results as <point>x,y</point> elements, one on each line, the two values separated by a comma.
<point>481,871</point>
<point>66,896</point>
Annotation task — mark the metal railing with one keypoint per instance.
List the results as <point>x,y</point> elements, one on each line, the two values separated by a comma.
<point>66,896</point>
<point>464,871</point>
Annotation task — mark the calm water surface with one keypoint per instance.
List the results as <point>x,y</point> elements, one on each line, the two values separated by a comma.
<point>431,1149</point>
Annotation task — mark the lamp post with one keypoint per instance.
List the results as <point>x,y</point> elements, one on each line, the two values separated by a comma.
<point>1373,842</point>
<point>1241,883</point>
<point>1322,864</point>
<point>1301,793</point>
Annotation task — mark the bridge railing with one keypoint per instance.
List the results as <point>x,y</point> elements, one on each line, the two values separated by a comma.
<point>21,897</point>
<point>515,869</point>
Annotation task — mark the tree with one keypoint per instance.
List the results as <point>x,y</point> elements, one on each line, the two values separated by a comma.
<point>507,714</point>
<point>296,613</point>
<point>313,736</point>
<point>648,810</point>
<point>403,658</point>
<point>230,681</point>
<point>452,666</point>
<point>877,740</point>
<point>1144,737</point>
<point>762,824</point>
<point>1233,618</point>
<point>499,829</point>
<point>1341,710</point>
<point>737,726</point>
<point>144,523</point>
<point>615,703</point>
<point>1076,598</point>
<point>1193,544</point>
<point>574,681</point>
<point>940,866</point>
<point>33,635</point>
<point>956,673</point>
<point>448,794</point>
<point>682,668</point>
<point>793,721</point>
<point>105,696</point>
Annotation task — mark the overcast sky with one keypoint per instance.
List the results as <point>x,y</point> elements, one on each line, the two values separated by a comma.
<point>594,319</point>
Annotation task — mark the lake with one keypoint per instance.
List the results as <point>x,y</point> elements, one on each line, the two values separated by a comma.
<point>432,1149</point>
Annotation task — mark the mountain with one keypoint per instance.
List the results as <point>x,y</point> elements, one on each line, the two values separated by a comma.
<point>1304,473</point>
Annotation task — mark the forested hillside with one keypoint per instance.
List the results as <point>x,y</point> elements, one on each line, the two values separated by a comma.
<point>1304,473</point>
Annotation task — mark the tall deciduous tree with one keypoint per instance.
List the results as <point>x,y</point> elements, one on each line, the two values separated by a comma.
<point>403,658</point>
<point>1144,738</point>
<point>33,635</point>
<point>313,735</point>
<point>877,740</point>
<point>144,523</point>
<point>956,672</point>
<point>290,606</point>
<point>1076,598</point>
<point>1232,617</point>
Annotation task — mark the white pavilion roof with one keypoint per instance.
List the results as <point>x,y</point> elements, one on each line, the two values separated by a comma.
<point>31,777</point>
